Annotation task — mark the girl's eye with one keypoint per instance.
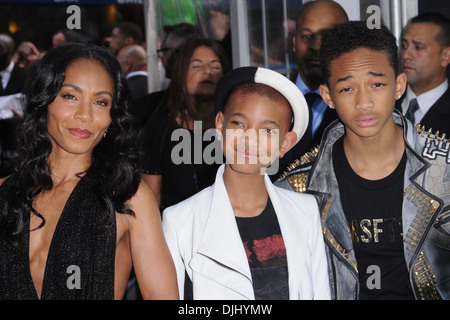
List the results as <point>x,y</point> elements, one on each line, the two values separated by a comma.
<point>237,123</point>
<point>378,85</point>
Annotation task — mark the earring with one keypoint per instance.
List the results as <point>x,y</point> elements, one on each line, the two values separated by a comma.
<point>330,106</point>
<point>104,135</point>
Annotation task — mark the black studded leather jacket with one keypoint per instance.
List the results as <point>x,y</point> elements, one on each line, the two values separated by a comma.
<point>425,211</point>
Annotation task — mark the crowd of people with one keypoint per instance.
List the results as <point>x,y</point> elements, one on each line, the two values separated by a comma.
<point>357,208</point>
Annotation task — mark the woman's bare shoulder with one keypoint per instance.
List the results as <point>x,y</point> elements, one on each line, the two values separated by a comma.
<point>144,203</point>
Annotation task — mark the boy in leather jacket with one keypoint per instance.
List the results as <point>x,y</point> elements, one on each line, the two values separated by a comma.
<point>382,185</point>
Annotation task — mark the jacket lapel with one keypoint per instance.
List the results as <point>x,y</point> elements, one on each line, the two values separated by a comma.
<point>221,255</point>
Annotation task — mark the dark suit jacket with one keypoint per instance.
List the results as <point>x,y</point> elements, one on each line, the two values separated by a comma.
<point>138,87</point>
<point>8,126</point>
<point>438,116</point>
<point>147,105</point>
<point>16,81</point>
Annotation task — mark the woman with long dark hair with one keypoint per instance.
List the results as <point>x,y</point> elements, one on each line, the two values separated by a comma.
<point>74,215</point>
<point>198,67</point>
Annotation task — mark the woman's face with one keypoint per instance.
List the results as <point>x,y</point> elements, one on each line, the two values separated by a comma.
<point>205,71</point>
<point>80,114</point>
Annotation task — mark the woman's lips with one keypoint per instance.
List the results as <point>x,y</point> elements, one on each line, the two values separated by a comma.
<point>80,133</point>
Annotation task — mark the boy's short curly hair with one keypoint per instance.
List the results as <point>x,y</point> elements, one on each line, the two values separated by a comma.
<point>352,35</point>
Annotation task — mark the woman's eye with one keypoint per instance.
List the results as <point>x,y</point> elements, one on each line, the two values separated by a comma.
<point>68,96</point>
<point>103,103</point>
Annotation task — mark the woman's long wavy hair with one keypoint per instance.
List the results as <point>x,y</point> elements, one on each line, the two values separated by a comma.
<point>115,159</point>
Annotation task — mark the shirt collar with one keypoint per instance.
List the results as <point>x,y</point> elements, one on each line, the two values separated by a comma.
<point>303,87</point>
<point>8,69</point>
<point>427,99</point>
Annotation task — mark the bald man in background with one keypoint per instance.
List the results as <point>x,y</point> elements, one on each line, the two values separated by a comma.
<point>133,60</point>
<point>313,19</point>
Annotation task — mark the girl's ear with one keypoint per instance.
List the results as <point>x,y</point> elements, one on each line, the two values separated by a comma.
<point>288,142</point>
<point>219,121</point>
<point>220,118</point>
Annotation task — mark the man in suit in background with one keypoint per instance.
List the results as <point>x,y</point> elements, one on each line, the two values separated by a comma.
<point>425,56</point>
<point>133,60</point>
<point>12,80</point>
<point>314,18</point>
<point>12,75</point>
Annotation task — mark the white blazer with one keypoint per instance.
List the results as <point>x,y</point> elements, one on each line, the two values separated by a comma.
<point>204,241</point>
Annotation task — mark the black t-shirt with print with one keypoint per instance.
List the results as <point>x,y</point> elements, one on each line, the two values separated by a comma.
<point>373,209</point>
<point>266,254</point>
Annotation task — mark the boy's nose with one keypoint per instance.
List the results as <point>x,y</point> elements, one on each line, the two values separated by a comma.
<point>363,101</point>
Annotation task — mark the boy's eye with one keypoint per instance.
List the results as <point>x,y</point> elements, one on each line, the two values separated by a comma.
<point>379,85</point>
<point>345,90</point>
<point>237,123</point>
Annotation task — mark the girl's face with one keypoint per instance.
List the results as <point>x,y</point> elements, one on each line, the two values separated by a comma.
<point>253,133</point>
<point>80,114</point>
<point>205,71</point>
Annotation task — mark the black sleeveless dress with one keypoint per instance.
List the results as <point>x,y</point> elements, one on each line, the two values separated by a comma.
<point>81,257</point>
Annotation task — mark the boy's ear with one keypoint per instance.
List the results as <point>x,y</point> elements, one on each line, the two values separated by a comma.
<point>325,94</point>
<point>401,83</point>
<point>288,142</point>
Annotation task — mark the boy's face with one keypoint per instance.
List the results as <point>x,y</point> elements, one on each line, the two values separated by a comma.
<point>363,89</point>
<point>253,132</point>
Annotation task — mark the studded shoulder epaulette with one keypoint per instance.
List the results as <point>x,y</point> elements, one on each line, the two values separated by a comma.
<point>298,180</point>
<point>421,131</point>
<point>436,144</point>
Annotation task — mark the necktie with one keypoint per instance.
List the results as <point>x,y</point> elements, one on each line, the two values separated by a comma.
<point>310,97</point>
<point>413,107</point>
